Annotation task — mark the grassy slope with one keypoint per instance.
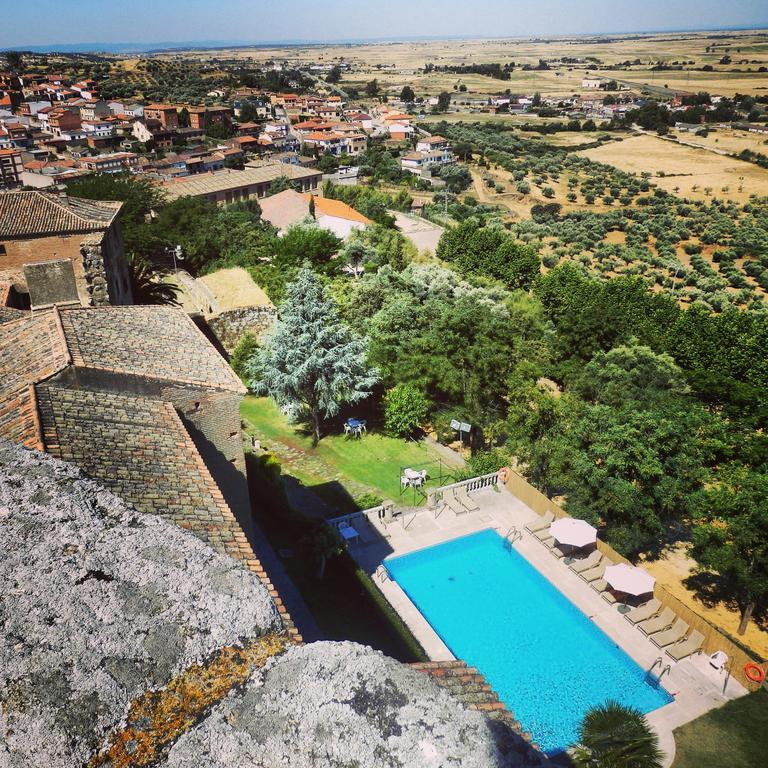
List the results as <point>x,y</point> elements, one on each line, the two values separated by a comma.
<point>375,460</point>
<point>730,737</point>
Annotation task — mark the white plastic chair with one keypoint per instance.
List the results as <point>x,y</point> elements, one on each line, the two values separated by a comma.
<point>718,660</point>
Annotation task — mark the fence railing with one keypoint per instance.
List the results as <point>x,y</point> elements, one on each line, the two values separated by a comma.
<point>473,484</point>
<point>714,638</point>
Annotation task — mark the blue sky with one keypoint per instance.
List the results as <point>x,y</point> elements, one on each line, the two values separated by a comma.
<point>41,22</point>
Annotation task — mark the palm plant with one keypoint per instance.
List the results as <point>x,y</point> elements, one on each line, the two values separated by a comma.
<point>147,285</point>
<point>614,736</point>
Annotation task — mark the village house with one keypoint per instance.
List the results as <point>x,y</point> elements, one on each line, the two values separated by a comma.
<point>114,163</point>
<point>11,168</point>
<point>165,114</point>
<point>432,143</point>
<point>290,207</point>
<point>62,250</point>
<point>94,110</point>
<point>64,121</point>
<point>334,143</point>
<point>203,118</point>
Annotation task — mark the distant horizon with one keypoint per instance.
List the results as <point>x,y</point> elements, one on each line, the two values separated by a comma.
<point>122,46</point>
<point>147,25</point>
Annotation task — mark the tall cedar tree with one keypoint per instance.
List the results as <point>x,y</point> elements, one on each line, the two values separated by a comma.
<point>311,357</point>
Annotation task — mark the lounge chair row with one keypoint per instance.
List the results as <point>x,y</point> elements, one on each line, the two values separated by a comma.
<point>666,630</point>
<point>459,501</point>
<point>663,627</point>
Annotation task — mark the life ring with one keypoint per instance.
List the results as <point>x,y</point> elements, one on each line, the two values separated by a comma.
<point>503,474</point>
<point>754,672</point>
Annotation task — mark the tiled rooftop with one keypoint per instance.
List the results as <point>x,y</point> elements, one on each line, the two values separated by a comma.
<point>219,181</point>
<point>139,449</point>
<point>31,349</point>
<point>155,342</point>
<point>36,214</point>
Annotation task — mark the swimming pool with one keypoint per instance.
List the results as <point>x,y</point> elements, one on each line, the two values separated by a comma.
<point>547,661</point>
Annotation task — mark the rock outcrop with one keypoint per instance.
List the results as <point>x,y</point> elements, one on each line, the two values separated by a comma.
<point>125,640</point>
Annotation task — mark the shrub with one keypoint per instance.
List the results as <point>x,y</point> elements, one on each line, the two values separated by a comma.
<point>405,409</point>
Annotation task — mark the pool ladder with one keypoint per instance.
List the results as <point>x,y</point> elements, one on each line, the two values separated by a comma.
<point>664,671</point>
<point>382,574</point>
<point>511,536</point>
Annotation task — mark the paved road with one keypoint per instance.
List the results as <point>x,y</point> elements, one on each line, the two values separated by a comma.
<point>422,233</point>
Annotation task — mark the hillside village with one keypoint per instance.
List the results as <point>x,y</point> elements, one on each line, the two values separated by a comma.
<point>313,351</point>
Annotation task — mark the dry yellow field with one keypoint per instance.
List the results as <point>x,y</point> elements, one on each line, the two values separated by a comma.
<point>397,64</point>
<point>684,167</point>
<point>726,140</point>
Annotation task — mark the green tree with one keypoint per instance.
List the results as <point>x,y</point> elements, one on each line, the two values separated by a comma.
<point>280,184</point>
<point>407,94</point>
<point>443,102</point>
<point>307,242</point>
<point>334,76</point>
<point>730,539</point>
<point>311,358</point>
<point>248,113</point>
<point>405,409</point>
<point>372,88</point>
<point>220,130</point>
<point>246,348</point>
<point>612,735</point>
<point>14,61</point>
<point>320,544</point>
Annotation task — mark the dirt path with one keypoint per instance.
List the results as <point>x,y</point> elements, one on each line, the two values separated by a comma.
<point>422,233</point>
<point>674,568</point>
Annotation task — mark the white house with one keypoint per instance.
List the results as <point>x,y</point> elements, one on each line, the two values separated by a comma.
<point>592,82</point>
<point>290,207</point>
<point>431,143</point>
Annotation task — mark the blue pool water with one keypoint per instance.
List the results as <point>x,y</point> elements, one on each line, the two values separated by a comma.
<point>547,661</point>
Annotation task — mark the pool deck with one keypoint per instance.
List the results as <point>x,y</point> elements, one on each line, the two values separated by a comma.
<point>697,687</point>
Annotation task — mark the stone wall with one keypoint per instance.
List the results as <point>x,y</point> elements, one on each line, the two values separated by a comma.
<point>230,326</point>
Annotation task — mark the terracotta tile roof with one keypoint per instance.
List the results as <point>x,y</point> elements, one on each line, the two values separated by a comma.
<point>36,214</point>
<point>328,207</point>
<point>31,349</point>
<point>468,686</point>
<point>139,449</point>
<point>154,342</point>
<point>9,314</point>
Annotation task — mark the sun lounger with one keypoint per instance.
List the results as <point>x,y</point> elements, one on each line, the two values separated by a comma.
<point>673,635</point>
<point>658,624</point>
<point>543,534</point>
<point>579,566</point>
<point>556,551</point>
<point>540,523</point>
<point>453,505</point>
<point>465,499</point>
<point>593,574</point>
<point>600,585</point>
<point>643,612</point>
<point>691,644</point>
<point>609,597</point>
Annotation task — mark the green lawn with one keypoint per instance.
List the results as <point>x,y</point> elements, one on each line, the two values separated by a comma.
<point>730,737</point>
<point>374,461</point>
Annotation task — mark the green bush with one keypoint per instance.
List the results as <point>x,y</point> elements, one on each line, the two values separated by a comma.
<point>405,409</point>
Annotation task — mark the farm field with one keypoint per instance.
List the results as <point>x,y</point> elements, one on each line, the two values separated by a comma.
<point>396,64</point>
<point>725,139</point>
<point>684,168</point>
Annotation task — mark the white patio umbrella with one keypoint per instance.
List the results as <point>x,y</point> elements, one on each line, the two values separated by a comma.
<point>629,579</point>
<point>576,533</point>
